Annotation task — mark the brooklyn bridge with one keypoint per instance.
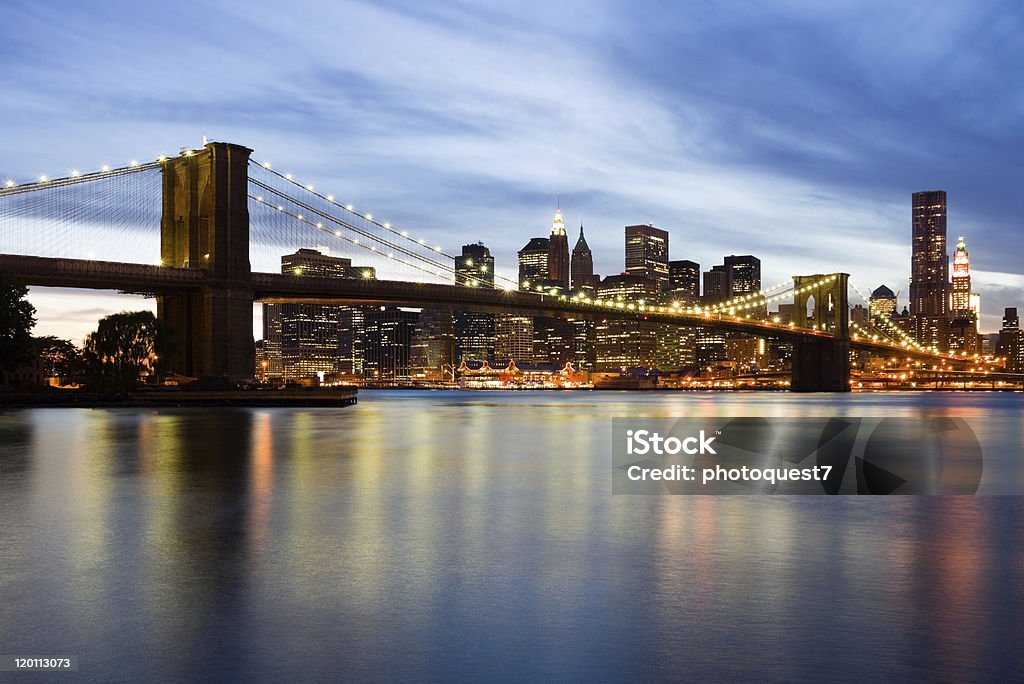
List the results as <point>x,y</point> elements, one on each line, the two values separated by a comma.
<point>188,230</point>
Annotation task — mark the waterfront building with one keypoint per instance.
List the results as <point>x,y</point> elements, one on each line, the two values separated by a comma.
<point>305,340</point>
<point>625,345</point>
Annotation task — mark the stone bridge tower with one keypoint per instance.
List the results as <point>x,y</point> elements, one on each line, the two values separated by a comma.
<point>205,225</point>
<point>822,365</point>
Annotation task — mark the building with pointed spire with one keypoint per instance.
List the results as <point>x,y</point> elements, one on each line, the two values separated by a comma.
<point>582,265</point>
<point>882,305</point>
<point>960,302</point>
<point>963,326</point>
<point>558,252</point>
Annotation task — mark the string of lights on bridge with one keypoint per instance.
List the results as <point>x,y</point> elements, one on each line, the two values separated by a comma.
<point>901,336</point>
<point>506,283</point>
<point>12,187</point>
<point>432,266</point>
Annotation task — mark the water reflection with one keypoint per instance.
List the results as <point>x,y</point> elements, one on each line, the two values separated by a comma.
<point>450,536</point>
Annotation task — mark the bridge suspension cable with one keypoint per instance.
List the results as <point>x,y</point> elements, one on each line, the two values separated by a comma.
<point>319,226</point>
<point>13,187</point>
<point>110,214</point>
<point>386,241</point>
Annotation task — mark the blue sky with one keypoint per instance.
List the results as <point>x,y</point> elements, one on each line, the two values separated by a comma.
<point>795,131</point>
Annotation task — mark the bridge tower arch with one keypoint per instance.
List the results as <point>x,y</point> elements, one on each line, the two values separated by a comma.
<point>205,225</point>
<point>822,364</point>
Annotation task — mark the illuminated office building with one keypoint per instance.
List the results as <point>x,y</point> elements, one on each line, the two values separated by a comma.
<point>304,340</point>
<point>558,253</point>
<point>647,253</point>
<point>929,270</point>
<point>474,331</point>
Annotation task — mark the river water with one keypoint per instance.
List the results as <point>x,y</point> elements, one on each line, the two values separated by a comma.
<point>474,536</point>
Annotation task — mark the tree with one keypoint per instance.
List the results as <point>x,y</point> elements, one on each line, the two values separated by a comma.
<point>17,318</point>
<point>126,347</point>
<point>58,358</point>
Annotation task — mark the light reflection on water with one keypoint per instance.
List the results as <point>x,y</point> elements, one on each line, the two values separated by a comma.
<point>474,535</point>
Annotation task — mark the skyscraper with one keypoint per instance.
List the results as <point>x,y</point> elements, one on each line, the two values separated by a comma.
<point>582,265</point>
<point>1010,342</point>
<point>882,305</point>
<point>303,340</point>
<point>474,331</point>
<point>963,326</point>
<point>960,301</point>
<point>717,285</point>
<point>929,269</point>
<point>626,344</point>
<point>533,263</point>
<point>558,253</point>
<point>647,253</point>
<point>389,337</point>
<point>744,274</point>
<point>432,355</point>
<point>684,280</point>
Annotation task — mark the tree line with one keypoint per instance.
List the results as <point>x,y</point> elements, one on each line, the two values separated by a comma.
<point>125,350</point>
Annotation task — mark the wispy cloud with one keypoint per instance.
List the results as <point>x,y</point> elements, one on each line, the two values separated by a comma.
<point>795,131</point>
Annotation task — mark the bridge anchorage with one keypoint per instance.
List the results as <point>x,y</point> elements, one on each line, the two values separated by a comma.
<point>205,285</point>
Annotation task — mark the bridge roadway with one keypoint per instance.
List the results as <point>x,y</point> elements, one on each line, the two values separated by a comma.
<point>148,279</point>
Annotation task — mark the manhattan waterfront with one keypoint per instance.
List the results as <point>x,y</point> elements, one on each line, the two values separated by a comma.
<point>419,535</point>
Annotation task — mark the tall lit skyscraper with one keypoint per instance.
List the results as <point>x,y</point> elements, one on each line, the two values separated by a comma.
<point>533,263</point>
<point>963,326</point>
<point>684,280</point>
<point>558,253</point>
<point>960,301</point>
<point>582,265</point>
<point>929,269</point>
<point>647,253</point>
<point>744,274</point>
<point>474,331</point>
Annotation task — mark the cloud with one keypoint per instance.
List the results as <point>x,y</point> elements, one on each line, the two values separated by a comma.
<point>795,131</point>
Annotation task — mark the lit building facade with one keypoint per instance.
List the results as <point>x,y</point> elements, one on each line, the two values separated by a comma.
<point>684,281</point>
<point>623,345</point>
<point>432,355</point>
<point>881,305</point>
<point>963,326</point>
<point>388,343</point>
<point>533,263</point>
<point>474,331</point>
<point>929,270</point>
<point>558,253</point>
<point>1010,343</point>
<point>647,254</point>
<point>304,340</point>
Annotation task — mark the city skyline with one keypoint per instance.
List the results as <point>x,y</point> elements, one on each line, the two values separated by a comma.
<point>761,135</point>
